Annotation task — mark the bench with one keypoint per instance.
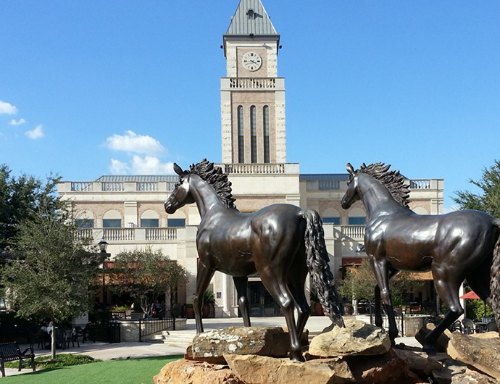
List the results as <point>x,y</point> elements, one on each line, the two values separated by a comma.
<point>11,352</point>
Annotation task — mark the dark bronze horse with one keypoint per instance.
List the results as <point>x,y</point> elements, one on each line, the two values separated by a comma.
<point>281,242</point>
<point>455,246</point>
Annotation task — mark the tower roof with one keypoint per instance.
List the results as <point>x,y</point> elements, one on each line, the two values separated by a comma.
<point>251,19</point>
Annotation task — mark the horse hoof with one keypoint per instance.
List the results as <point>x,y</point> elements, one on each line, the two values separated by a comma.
<point>297,357</point>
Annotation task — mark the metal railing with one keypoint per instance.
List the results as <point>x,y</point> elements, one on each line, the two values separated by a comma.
<point>148,327</point>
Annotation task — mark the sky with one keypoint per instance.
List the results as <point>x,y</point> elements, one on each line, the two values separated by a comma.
<point>92,87</point>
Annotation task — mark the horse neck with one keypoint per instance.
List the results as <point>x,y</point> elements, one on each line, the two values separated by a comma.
<point>376,197</point>
<point>204,195</point>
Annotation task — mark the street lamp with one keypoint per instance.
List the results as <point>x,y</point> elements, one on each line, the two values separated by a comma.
<point>103,245</point>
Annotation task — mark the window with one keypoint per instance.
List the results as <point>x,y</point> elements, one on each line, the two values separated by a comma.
<point>327,184</point>
<point>176,223</point>
<point>357,220</point>
<point>331,220</point>
<point>265,118</point>
<point>84,223</point>
<point>241,136</point>
<point>253,130</point>
<point>111,223</point>
<point>150,223</point>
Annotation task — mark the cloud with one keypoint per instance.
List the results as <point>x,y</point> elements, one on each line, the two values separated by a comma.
<point>118,167</point>
<point>141,165</point>
<point>35,133</point>
<point>134,143</point>
<point>20,121</point>
<point>7,108</point>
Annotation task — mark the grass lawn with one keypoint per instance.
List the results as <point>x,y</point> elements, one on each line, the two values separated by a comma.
<point>130,371</point>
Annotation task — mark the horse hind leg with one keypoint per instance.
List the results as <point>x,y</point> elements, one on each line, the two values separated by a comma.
<point>296,286</point>
<point>447,290</point>
<point>241,284</point>
<point>281,294</point>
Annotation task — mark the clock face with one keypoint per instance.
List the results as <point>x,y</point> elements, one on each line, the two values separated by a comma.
<point>251,61</point>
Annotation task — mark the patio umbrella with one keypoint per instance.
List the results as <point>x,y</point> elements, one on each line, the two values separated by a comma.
<point>470,295</point>
<point>473,296</point>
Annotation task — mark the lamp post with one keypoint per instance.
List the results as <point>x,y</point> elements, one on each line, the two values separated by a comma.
<point>103,245</point>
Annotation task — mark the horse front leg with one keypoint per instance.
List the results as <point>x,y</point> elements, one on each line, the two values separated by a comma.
<point>203,278</point>
<point>241,284</point>
<point>382,276</point>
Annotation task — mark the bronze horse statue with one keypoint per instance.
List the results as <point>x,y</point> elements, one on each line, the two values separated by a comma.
<point>281,242</point>
<point>458,246</point>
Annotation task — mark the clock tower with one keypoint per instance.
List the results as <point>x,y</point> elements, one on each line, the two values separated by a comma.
<point>252,94</point>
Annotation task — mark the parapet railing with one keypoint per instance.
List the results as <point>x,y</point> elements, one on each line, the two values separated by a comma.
<point>128,234</point>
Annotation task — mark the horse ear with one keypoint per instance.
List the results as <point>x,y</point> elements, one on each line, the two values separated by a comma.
<point>350,168</point>
<point>178,170</point>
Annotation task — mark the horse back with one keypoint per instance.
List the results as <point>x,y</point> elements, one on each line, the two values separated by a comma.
<point>236,243</point>
<point>414,242</point>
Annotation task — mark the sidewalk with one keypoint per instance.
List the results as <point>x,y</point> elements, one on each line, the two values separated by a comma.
<point>105,351</point>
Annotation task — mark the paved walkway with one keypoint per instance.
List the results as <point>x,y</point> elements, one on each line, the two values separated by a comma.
<point>105,351</point>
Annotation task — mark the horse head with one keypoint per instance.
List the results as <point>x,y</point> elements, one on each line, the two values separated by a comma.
<point>351,195</point>
<point>181,195</point>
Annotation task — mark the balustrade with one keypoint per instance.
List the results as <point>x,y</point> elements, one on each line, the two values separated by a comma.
<point>118,234</point>
<point>252,83</point>
<point>356,232</point>
<point>420,184</point>
<point>84,186</point>
<point>127,234</point>
<point>161,234</point>
<point>249,169</point>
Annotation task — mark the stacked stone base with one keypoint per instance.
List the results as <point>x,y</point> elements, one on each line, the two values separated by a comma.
<point>359,353</point>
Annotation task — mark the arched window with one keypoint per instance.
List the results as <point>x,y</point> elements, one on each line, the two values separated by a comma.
<point>241,136</point>
<point>84,219</point>
<point>253,130</point>
<point>150,219</point>
<point>112,219</point>
<point>265,117</point>
<point>331,216</point>
<point>356,216</point>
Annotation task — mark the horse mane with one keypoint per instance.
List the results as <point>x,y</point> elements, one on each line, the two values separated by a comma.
<point>392,180</point>
<point>214,176</point>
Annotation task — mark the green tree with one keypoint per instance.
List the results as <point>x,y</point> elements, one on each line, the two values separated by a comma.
<point>49,277</point>
<point>489,198</point>
<point>359,283</point>
<point>145,275</point>
<point>20,198</point>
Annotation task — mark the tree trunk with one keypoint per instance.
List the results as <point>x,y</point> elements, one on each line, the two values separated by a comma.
<point>53,342</point>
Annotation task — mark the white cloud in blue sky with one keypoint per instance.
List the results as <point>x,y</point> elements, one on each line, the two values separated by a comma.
<point>143,150</point>
<point>36,133</point>
<point>16,122</point>
<point>7,108</point>
<point>141,165</point>
<point>134,143</point>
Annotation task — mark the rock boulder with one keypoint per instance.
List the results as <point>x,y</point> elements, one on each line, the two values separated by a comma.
<point>357,338</point>
<point>264,341</point>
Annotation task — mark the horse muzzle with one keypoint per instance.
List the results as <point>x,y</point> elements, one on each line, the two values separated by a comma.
<point>169,207</point>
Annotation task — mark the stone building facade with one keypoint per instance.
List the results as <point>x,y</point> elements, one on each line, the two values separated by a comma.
<point>127,211</point>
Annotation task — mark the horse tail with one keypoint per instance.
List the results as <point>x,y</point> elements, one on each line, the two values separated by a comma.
<point>317,260</point>
<point>494,299</point>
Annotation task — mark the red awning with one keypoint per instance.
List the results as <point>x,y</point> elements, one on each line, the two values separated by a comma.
<point>470,295</point>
